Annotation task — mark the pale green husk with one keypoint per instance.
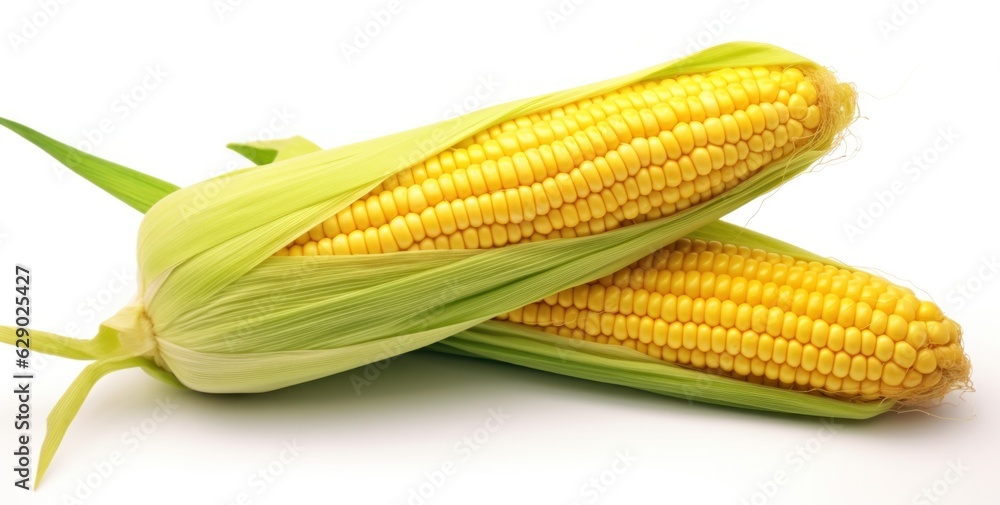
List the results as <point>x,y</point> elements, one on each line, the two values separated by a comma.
<point>218,312</point>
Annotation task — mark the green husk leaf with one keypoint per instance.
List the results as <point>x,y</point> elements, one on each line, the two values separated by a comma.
<point>69,404</point>
<point>103,344</point>
<point>138,190</point>
<point>262,152</point>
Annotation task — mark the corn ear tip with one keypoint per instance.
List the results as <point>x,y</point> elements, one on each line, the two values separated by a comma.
<point>956,377</point>
<point>839,102</point>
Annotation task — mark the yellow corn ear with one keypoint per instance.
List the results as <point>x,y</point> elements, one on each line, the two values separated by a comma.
<point>765,318</point>
<point>643,151</point>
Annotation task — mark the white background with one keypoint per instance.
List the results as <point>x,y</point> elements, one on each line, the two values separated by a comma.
<point>242,72</point>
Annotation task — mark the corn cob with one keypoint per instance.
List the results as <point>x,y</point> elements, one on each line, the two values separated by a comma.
<point>640,152</point>
<point>765,318</point>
